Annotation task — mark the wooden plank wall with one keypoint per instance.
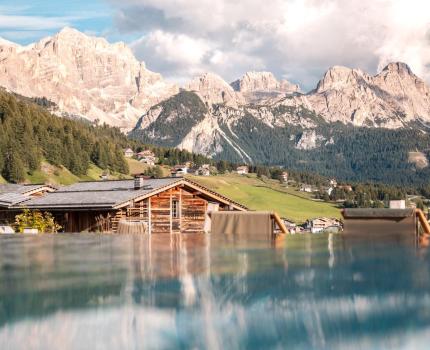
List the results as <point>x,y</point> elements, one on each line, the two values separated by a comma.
<point>161,211</point>
<point>192,212</point>
<point>157,212</point>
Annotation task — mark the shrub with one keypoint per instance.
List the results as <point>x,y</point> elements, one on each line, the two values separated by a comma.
<point>43,222</point>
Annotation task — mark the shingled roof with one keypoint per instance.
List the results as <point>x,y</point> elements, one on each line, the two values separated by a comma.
<point>104,195</point>
<point>13,194</point>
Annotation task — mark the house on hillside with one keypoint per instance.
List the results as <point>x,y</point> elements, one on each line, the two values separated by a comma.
<point>242,170</point>
<point>167,205</point>
<point>147,157</point>
<point>204,170</point>
<point>179,170</point>
<point>306,188</point>
<point>151,161</point>
<point>145,153</point>
<point>291,226</point>
<point>284,176</point>
<point>128,153</point>
<point>321,224</point>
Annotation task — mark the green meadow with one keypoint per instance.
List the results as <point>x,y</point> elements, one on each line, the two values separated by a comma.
<point>269,195</point>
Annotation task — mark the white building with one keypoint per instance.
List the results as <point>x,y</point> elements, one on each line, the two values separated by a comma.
<point>284,176</point>
<point>242,170</point>
<point>321,224</point>
<point>203,171</point>
<point>179,170</point>
<point>149,160</point>
<point>399,204</point>
<point>128,153</point>
<point>306,188</point>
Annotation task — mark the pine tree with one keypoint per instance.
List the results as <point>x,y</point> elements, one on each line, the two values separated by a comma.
<point>13,170</point>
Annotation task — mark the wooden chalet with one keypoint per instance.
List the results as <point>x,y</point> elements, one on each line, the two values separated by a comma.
<point>167,205</point>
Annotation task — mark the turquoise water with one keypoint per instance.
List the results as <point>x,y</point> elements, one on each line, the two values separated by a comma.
<point>198,292</point>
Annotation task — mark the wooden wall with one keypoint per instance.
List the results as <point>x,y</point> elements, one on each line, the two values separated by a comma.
<point>156,211</point>
<point>191,216</point>
<point>7,217</point>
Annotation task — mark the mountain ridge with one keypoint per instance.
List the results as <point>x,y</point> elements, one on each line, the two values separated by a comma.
<point>255,119</point>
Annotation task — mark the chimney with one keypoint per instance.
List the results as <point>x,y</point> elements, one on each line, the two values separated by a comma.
<point>139,182</point>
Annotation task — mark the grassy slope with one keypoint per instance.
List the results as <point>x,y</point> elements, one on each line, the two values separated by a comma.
<point>62,176</point>
<point>268,195</point>
<point>2,181</point>
<point>135,166</point>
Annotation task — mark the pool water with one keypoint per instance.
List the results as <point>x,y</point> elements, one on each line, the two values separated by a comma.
<point>199,292</point>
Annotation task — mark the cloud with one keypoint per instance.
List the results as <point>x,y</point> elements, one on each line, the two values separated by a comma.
<point>296,39</point>
<point>25,20</point>
<point>32,22</point>
<point>409,36</point>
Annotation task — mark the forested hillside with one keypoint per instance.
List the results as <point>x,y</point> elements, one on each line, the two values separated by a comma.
<point>349,153</point>
<point>29,134</point>
<point>344,151</point>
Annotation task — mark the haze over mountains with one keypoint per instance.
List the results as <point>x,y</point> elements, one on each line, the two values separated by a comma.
<point>256,118</point>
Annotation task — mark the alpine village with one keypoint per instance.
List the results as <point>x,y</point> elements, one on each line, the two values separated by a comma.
<point>186,155</point>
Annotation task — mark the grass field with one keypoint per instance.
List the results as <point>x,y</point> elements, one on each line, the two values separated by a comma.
<point>137,167</point>
<point>62,176</point>
<point>268,195</point>
<point>51,174</point>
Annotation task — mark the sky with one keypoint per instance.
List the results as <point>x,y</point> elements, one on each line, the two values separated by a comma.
<point>297,40</point>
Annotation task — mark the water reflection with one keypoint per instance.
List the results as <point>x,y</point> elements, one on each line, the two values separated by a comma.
<point>198,291</point>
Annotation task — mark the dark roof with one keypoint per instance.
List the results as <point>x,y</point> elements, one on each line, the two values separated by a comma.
<point>105,195</point>
<point>98,194</point>
<point>12,194</point>
<point>22,189</point>
<point>8,199</point>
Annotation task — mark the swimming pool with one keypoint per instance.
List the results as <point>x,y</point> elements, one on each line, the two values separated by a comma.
<point>82,291</point>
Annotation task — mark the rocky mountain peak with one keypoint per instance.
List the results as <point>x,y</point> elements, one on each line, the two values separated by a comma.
<point>4,42</point>
<point>7,48</point>
<point>213,89</point>
<point>85,76</point>
<point>68,32</point>
<point>339,77</point>
<point>398,67</point>
<point>253,81</point>
<point>263,82</point>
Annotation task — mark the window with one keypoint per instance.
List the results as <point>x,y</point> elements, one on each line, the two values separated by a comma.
<point>175,209</point>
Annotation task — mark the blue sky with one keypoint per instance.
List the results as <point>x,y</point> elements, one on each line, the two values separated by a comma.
<point>25,21</point>
<point>297,40</point>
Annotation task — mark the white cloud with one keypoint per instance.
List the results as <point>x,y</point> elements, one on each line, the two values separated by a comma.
<point>409,39</point>
<point>298,39</point>
<point>31,22</point>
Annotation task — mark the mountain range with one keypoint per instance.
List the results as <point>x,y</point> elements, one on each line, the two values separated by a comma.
<point>350,121</point>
